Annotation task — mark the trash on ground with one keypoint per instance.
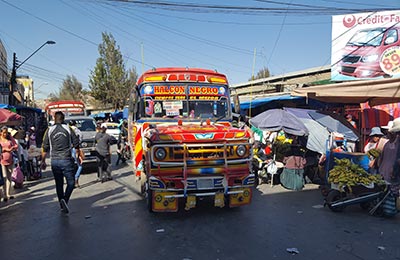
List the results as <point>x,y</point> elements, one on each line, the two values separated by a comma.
<point>88,216</point>
<point>292,250</point>
<point>160,230</point>
<point>318,206</point>
<point>381,248</point>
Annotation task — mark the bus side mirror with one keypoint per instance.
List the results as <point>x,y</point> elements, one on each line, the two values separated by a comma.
<point>133,103</point>
<point>236,103</point>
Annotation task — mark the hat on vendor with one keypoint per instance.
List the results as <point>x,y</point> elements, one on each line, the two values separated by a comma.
<point>396,126</point>
<point>388,126</point>
<point>12,131</point>
<point>376,131</point>
<point>338,137</point>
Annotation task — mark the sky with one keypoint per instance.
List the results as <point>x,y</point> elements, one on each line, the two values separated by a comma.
<point>236,37</point>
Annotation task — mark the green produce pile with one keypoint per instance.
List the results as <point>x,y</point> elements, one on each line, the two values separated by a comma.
<point>346,173</point>
<point>374,153</point>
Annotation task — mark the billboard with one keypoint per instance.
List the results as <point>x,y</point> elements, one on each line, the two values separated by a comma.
<point>26,85</point>
<point>365,46</point>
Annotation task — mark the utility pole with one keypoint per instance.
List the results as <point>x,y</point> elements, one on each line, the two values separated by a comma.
<point>13,80</point>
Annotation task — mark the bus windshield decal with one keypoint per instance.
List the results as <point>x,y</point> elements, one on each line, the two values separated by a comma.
<point>187,101</point>
<point>182,90</point>
<point>164,90</point>
<point>203,90</point>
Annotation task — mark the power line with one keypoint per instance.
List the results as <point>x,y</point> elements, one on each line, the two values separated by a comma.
<point>100,20</point>
<point>194,37</point>
<point>247,10</point>
<point>277,39</point>
<point>45,57</point>
<point>60,28</point>
<point>146,21</point>
<point>358,3</point>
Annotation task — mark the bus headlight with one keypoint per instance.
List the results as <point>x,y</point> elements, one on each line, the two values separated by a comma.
<point>160,154</point>
<point>241,150</point>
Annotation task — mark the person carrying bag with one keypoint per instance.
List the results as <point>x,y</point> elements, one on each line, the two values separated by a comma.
<point>8,146</point>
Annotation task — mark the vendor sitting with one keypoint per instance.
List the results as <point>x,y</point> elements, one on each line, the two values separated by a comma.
<point>374,137</point>
<point>292,176</point>
<point>339,143</point>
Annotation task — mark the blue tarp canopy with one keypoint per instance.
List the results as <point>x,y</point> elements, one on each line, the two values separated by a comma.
<point>125,113</point>
<point>117,115</point>
<point>6,106</point>
<point>278,119</point>
<point>335,125</point>
<point>318,134</point>
<point>262,101</point>
<point>36,110</point>
<point>98,115</point>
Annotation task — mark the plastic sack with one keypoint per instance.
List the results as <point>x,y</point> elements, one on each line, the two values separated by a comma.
<point>389,206</point>
<point>17,177</point>
<point>272,168</point>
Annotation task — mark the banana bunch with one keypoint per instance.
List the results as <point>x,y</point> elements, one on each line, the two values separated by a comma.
<point>346,173</point>
<point>374,153</point>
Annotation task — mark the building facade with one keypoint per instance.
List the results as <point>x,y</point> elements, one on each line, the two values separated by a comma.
<point>4,78</point>
<point>281,83</point>
<point>25,90</point>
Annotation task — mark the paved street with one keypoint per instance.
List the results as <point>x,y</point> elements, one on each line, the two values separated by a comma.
<point>110,221</point>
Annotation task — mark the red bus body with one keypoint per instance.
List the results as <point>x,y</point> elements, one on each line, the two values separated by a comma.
<point>183,141</point>
<point>68,107</point>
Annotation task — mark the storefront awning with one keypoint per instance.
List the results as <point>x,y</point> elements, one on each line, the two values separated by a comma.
<point>376,92</point>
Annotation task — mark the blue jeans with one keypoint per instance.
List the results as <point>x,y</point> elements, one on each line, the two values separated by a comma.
<point>79,170</point>
<point>63,168</point>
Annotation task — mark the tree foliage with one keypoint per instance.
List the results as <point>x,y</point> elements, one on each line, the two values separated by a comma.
<point>71,89</point>
<point>262,73</point>
<point>109,82</point>
<point>53,96</point>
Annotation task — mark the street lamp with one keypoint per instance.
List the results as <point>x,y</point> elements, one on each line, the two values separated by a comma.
<point>15,67</point>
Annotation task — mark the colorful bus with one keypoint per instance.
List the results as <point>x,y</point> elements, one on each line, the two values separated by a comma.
<point>68,107</point>
<point>183,141</point>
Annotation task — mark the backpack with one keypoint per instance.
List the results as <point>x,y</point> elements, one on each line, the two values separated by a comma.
<point>53,127</point>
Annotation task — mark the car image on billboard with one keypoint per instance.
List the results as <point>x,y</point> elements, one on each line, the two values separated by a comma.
<point>365,46</point>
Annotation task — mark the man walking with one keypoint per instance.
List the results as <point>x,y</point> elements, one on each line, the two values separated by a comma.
<point>103,143</point>
<point>59,139</point>
<point>122,139</point>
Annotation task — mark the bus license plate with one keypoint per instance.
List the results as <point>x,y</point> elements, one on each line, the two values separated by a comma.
<point>205,183</point>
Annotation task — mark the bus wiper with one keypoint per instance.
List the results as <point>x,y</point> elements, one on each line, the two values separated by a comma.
<point>218,118</point>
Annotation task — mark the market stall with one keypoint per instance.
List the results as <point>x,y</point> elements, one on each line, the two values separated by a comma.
<point>286,147</point>
<point>348,177</point>
<point>9,118</point>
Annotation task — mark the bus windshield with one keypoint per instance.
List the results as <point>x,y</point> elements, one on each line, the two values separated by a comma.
<point>184,101</point>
